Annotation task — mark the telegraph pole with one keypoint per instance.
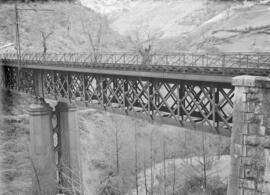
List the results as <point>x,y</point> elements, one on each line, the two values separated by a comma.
<point>18,45</point>
<point>17,35</point>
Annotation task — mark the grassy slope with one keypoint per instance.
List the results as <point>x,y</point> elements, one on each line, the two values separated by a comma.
<point>97,137</point>
<point>200,25</point>
<point>15,168</point>
<point>65,22</point>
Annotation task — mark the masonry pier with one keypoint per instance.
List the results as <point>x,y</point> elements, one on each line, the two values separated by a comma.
<point>250,148</point>
<point>41,149</point>
<point>55,173</point>
<point>70,169</point>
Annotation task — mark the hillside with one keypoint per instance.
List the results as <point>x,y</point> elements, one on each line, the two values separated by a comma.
<point>192,25</point>
<point>173,25</point>
<point>67,24</point>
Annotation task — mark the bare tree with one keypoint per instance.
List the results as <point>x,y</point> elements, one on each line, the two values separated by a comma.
<point>204,163</point>
<point>45,36</point>
<point>174,174</point>
<point>164,167</point>
<point>117,146</point>
<point>44,29</point>
<point>71,182</point>
<point>95,40</point>
<point>144,174</point>
<point>146,55</point>
<point>136,159</point>
<point>143,39</point>
<point>151,162</point>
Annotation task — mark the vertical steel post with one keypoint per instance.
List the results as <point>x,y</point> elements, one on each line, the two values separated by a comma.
<point>38,83</point>
<point>181,100</point>
<point>104,92</point>
<point>151,97</point>
<point>125,91</point>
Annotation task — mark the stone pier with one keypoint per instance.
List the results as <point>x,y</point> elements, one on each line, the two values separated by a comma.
<point>70,173</point>
<point>41,149</point>
<point>250,148</point>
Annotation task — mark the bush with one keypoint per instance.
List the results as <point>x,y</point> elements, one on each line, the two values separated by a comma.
<point>214,186</point>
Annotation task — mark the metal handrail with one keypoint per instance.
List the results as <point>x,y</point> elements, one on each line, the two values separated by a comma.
<point>224,60</point>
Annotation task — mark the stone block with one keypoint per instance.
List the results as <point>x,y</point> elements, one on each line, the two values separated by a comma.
<point>250,107</point>
<point>251,150</point>
<point>253,128</point>
<point>266,143</point>
<point>245,127</point>
<point>248,184</point>
<point>244,97</point>
<point>254,140</point>
<point>253,90</point>
<point>252,97</point>
<point>251,81</point>
<point>258,108</point>
<point>262,130</point>
<point>247,161</point>
<point>248,116</point>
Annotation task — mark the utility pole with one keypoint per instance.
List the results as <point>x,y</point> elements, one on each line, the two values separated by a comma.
<point>18,45</point>
<point>17,31</point>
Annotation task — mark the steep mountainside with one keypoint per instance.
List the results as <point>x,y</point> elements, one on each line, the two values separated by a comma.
<point>194,25</point>
<point>66,25</point>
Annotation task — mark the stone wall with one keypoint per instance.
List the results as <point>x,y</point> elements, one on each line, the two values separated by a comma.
<point>250,171</point>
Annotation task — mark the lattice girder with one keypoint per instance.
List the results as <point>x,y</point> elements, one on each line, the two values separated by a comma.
<point>206,104</point>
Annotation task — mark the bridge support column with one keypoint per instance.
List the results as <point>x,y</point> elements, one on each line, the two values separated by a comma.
<point>41,149</point>
<point>250,143</point>
<point>70,171</point>
<point>38,86</point>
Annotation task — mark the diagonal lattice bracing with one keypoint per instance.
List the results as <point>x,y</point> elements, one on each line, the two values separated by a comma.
<point>49,84</point>
<point>92,89</point>
<point>11,76</point>
<point>114,92</point>
<point>76,89</point>
<point>165,100</point>
<point>197,105</point>
<point>62,85</point>
<point>27,83</point>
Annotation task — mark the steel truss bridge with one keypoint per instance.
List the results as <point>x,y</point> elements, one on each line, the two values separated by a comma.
<point>185,89</point>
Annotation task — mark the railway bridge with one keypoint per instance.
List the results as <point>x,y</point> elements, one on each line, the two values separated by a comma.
<point>227,94</point>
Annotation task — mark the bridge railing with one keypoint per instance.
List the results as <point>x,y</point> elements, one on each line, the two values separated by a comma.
<point>225,60</point>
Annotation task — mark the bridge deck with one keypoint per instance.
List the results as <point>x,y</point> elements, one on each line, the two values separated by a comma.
<point>148,71</point>
<point>202,67</point>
